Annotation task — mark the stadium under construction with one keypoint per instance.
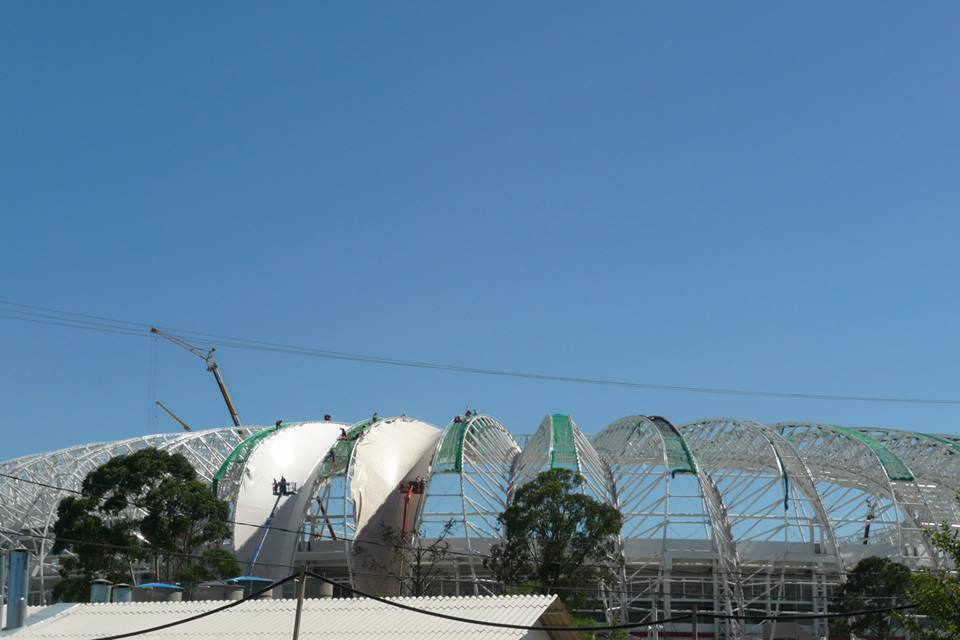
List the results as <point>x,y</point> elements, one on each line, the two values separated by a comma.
<point>726,515</point>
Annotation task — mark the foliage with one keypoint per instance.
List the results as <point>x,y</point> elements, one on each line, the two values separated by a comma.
<point>874,582</point>
<point>937,594</point>
<point>588,623</point>
<point>419,562</point>
<point>145,507</point>
<point>556,538</point>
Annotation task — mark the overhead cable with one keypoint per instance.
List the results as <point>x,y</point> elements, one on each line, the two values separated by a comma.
<point>127,327</point>
<point>177,623</point>
<point>399,605</point>
<point>613,627</point>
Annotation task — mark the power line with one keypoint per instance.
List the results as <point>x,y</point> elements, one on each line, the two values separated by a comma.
<point>127,327</point>
<point>274,565</point>
<point>72,325</point>
<point>260,526</point>
<point>195,556</point>
<point>488,623</point>
<point>177,623</point>
<point>120,547</point>
<point>704,614</point>
<point>615,627</point>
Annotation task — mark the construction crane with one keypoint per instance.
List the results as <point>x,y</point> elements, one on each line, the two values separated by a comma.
<point>170,413</point>
<point>212,367</point>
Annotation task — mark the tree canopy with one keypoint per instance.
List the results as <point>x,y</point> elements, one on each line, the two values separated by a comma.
<point>557,538</point>
<point>937,593</point>
<point>143,509</point>
<point>872,583</point>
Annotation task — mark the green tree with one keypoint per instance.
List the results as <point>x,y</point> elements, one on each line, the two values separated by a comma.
<point>557,538</point>
<point>937,594</point>
<point>145,508</point>
<point>873,583</point>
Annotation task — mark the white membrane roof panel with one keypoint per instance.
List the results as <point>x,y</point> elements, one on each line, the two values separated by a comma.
<point>292,452</point>
<point>393,451</point>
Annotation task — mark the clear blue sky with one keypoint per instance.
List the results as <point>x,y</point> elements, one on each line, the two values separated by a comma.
<point>751,195</point>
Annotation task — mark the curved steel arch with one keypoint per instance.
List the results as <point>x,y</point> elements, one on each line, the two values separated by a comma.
<point>935,460</point>
<point>780,525</point>
<point>887,490</point>
<point>559,444</point>
<point>29,505</point>
<point>468,487</point>
<point>647,456</point>
<point>335,512</point>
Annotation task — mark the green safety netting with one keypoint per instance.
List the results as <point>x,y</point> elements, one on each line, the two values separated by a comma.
<point>954,447</point>
<point>563,454</point>
<point>678,455</point>
<point>450,454</point>
<point>339,457</point>
<point>241,452</point>
<point>892,465</point>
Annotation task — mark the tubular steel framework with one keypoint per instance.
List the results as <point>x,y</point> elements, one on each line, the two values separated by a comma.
<point>727,515</point>
<point>329,523</point>
<point>469,485</point>
<point>29,499</point>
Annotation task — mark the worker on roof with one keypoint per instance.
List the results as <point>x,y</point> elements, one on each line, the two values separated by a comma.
<point>275,486</point>
<point>343,434</point>
<point>283,486</point>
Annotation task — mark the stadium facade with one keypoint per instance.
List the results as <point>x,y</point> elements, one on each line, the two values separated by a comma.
<point>728,515</point>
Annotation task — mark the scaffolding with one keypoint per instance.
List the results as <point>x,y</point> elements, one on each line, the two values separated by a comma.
<point>29,500</point>
<point>469,485</point>
<point>723,514</point>
<point>675,529</point>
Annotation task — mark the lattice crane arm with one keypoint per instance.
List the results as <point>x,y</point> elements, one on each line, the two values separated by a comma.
<point>212,367</point>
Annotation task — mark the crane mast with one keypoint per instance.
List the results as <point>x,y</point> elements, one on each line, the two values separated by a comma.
<point>212,367</point>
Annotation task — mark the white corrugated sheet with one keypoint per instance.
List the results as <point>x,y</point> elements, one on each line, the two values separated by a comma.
<point>337,618</point>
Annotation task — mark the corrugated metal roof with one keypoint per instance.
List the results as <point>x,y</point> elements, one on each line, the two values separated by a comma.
<point>327,619</point>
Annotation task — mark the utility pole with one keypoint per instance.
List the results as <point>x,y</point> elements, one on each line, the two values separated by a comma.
<point>212,367</point>
<point>694,622</point>
<point>301,589</point>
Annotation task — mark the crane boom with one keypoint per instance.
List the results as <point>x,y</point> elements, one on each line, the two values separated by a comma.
<point>170,413</point>
<point>212,367</point>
